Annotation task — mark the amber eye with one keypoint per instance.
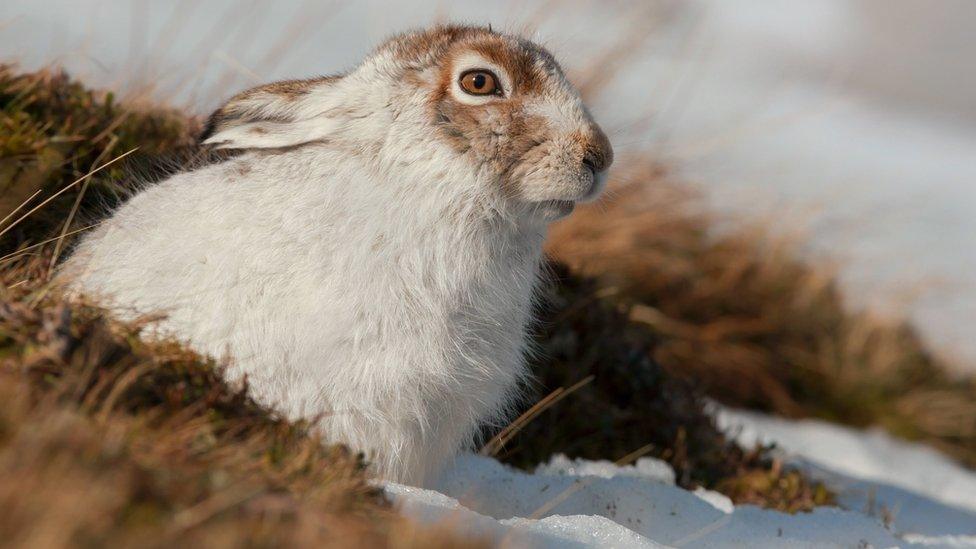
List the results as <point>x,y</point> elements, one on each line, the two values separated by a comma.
<point>479,82</point>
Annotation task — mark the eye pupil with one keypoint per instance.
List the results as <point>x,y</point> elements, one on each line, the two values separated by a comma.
<point>480,80</point>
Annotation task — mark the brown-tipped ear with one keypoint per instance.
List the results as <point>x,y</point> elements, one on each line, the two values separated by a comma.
<point>281,114</point>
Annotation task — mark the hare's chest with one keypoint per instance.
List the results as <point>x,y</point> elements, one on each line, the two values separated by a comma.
<point>435,309</point>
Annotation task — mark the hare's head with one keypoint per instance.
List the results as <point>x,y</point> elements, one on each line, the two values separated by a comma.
<point>452,102</point>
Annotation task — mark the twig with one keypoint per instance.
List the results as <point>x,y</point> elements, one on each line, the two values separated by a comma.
<point>498,441</point>
<point>66,187</point>
<point>22,251</point>
<point>22,204</point>
<point>583,483</point>
<point>74,208</point>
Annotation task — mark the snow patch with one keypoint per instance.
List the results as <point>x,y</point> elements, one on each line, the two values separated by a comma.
<point>863,455</point>
<point>647,468</point>
<point>892,494</point>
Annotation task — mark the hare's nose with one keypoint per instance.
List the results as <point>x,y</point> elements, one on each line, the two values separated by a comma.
<point>599,153</point>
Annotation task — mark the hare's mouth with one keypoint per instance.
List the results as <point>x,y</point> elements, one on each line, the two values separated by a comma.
<point>552,210</point>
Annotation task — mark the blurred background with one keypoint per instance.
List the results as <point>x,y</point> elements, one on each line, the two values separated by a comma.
<point>849,122</point>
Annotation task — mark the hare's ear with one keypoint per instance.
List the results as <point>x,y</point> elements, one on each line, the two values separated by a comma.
<point>282,114</point>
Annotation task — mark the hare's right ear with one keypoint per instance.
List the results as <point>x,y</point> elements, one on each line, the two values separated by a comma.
<point>282,114</point>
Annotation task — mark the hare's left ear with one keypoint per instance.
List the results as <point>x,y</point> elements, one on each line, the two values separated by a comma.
<point>282,114</point>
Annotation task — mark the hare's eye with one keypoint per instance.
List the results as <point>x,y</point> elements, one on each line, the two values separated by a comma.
<point>480,82</point>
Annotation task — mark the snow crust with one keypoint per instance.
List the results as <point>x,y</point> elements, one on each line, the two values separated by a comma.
<point>892,494</point>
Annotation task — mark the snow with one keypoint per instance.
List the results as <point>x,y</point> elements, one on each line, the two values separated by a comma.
<point>552,531</point>
<point>869,456</point>
<point>648,468</point>
<point>891,494</point>
<point>921,491</point>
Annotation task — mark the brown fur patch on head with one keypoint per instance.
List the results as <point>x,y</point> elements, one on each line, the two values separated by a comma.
<point>499,134</point>
<point>499,139</point>
<point>520,64</point>
<point>511,138</point>
<point>425,48</point>
<point>526,62</point>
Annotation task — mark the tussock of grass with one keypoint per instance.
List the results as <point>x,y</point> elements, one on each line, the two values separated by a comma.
<point>106,440</point>
<point>757,326</point>
<point>54,130</point>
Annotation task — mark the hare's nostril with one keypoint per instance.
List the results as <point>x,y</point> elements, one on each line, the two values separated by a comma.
<point>590,164</point>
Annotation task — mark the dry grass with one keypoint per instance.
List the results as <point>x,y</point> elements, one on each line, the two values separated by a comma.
<point>757,326</point>
<point>106,440</point>
<point>55,131</point>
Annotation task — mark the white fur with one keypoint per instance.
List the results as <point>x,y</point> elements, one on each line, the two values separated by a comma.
<point>373,275</point>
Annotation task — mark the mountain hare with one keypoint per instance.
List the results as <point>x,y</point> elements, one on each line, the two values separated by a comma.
<point>370,256</point>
